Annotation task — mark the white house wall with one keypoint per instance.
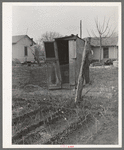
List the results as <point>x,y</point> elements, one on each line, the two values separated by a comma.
<point>113,52</point>
<point>96,53</point>
<point>18,50</point>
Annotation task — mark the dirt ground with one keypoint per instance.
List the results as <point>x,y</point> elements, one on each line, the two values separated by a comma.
<point>102,91</point>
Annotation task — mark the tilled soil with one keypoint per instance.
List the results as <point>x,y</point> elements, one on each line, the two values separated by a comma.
<point>101,94</point>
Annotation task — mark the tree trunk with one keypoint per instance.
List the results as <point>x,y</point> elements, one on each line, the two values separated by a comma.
<point>100,48</point>
<point>82,74</point>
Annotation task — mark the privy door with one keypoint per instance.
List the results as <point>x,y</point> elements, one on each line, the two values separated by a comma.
<point>72,62</point>
<point>53,68</point>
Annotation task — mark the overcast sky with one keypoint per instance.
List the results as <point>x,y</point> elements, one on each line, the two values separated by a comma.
<point>36,20</point>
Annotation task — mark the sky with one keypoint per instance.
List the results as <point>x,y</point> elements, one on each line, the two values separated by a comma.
<point>36,20</point>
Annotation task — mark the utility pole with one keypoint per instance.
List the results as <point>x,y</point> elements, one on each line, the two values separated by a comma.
<point>80,28</point>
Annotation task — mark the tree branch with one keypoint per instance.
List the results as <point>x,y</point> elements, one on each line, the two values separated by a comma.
<point>106,27</point>
<point>112,32</point>
<point>107,35</point>
<point>96,22</point>
<point>103,25</point>
<point>94,34</point>
<point>88,33</point>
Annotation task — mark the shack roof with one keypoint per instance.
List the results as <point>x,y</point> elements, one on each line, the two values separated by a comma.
<point>17,38</point>
<point>70,37</point>
<point>109,41</point>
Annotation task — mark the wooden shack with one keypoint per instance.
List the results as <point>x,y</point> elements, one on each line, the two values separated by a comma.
<point>63,57</point>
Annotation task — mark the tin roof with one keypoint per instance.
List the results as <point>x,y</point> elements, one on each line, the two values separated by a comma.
<point>110,41</point>
<point>70,37</point>
<point>17,38</point>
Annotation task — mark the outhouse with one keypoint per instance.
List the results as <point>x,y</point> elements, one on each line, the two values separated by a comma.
<point>63,58</point>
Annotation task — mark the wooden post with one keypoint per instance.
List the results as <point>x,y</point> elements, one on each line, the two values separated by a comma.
<point>86,70</point>
<point>82,73</point>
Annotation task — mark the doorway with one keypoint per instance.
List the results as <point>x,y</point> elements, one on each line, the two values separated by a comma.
<point>63,54</point>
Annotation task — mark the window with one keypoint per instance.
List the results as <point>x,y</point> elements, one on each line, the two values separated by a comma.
<point>25,51</point>
<point>105,52</point>
<point>49,48</point>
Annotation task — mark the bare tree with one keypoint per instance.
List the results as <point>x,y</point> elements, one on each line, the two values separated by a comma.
<point>103,30</point>
<point>115,34</point>
<point>49,36</point>
<point>35,52</point>
<point>39,47</point>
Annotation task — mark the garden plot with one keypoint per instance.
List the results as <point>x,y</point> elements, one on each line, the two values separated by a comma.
<point>101,95</point>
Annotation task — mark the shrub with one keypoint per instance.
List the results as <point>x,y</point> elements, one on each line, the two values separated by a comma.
<point>109,62</point>
<point>97,64</point>
<point>15,61</point>
<point>94,60</point>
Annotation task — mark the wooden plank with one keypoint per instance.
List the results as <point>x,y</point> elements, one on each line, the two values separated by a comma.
<point>57,64</point>
<point>54,81</point>
<point>54,75</point>
<point>72,49</point>
<point>72,63</point>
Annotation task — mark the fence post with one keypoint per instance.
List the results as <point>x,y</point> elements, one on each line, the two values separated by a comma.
<point>82,73</point>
